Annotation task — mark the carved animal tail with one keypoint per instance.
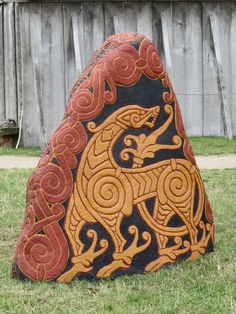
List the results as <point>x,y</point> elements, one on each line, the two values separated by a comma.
<point>42,256</point>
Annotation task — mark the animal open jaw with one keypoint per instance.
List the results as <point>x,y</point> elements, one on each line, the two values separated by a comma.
<point>152,117</point>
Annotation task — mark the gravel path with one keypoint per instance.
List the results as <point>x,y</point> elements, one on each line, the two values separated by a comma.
<point>203,162</point>
<point>11,162</point>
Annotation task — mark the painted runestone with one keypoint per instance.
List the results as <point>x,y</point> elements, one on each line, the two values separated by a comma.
<point>117,190</point>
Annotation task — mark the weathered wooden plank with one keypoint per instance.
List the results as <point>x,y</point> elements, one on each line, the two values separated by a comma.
<point>98,25</point>
<point>130,16</point>
<point>78,48</point>
<point>114,18</point>
<point>225,114</point>
<point>18,32</point>
<point>144,19</point>
<point>225,43</point>
<point>52,65</point>
<point>2,87</point>
<point>30,19</point>
<point>225,19</point>
<point>233,67</point>
<point>118,23</point>
<point>166,45</point>
<point>179,53</point>
<point>87,32</point>
<point>157,10</point>
<point>212,122</point>
<point>10,62</point>
<point>193,61</point>
<point>93,28</point>
<point>36,58</point>
<point>39,103</point>
<point>72,11</point>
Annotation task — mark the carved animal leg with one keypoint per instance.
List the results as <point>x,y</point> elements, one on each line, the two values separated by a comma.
<point>123,260</point>
<point>82,262</point>
<point>167,255</point>
<point>199,248</point>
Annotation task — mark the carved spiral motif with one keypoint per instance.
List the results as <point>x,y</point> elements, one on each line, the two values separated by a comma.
<point>39,250</point>
<point>154,66</point>
<point>122,66</point>
<point>53,182</point>
<point>106,192</point>
<point>82,101</point>
<point>175,185</point>
<point>154,60</point>
<point>73,137</point>
<point>134,119</point>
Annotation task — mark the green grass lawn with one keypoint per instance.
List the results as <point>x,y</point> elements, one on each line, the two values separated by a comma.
<point>21,151</point>
<point>205,286</point>
<point>201,146</point>
<point>213,145</point>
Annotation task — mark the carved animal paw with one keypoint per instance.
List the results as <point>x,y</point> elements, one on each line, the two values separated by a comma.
<point>75,270</point>
<point>106,271</point>
<point>195,255</point>
<point>158,263</point>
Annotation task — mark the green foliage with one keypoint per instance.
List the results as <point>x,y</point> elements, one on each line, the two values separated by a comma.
<point>204,286</point>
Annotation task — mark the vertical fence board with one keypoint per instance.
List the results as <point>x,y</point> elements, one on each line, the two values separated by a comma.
<point>30,19</point>
<point>233,66</point>
<point>167,44</point>
<point>2,88</point>
<point>193,60</point>
<point>130,16</point>
<point>52,67</point>
<point>93,36</point>
<point>221,82</point>
<point>87,32</point>
<point>112,10</point>
<point>225,17</point>
<point>179,53</point>
<point>70,10</point>
<point>157,10</point>
<point>18,31</point>
<point>9,62</point>
<point>144,19</point>
<point>98,25</point>
<point>212,115</point>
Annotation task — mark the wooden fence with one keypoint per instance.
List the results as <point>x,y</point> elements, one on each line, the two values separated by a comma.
<point>44,46</point>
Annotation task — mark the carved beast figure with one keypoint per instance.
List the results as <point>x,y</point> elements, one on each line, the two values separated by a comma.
<point>117,190</point>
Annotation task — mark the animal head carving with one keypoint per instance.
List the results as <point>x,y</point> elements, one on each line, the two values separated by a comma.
<point>136,117</point>
<point>132,116</point>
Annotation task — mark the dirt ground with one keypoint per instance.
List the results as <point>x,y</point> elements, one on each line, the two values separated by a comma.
<point>203,162</point>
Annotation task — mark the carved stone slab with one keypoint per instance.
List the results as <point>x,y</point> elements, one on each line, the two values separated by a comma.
<point>117,190</point>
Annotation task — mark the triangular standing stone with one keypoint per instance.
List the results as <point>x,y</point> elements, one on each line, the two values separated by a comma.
<point>117,190</point>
